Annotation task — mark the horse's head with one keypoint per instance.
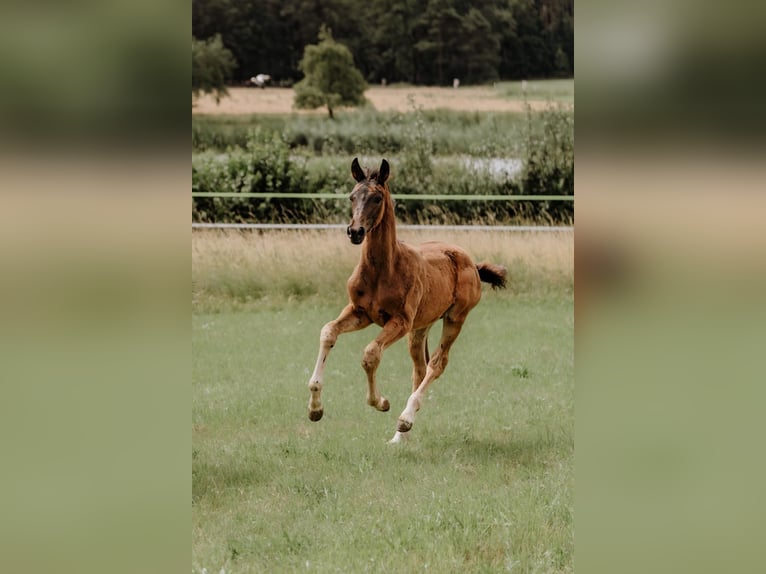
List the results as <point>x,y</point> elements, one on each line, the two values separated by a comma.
<point>369,200</point>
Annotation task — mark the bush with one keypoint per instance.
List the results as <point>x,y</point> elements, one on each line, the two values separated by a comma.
<point>237,172</point>
<point>268,162</point>
<point>264,166</point>
<point>549,165</point>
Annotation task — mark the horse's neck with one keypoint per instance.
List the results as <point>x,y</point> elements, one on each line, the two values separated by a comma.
<point>380,247</point>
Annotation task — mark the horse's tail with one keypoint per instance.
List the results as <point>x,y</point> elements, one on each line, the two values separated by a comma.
<point>493,274</point>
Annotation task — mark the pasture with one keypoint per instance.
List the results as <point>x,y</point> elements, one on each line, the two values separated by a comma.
<point>483,485</point>
<point>502,97</point>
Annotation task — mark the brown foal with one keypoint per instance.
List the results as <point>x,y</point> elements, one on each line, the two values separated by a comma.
<point>403,289</point>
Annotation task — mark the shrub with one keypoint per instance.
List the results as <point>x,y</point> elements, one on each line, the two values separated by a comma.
<point>549,164</point>
<point>268,162</point>
<point>264,166</point>
<point>237,172</point>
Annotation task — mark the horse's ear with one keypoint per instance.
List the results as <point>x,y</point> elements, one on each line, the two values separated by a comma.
<point>356,171</point>
<point>383,172</point>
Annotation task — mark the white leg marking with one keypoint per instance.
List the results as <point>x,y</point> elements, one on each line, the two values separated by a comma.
<point>315,385</point>
<point>413,405</point>
<point>407,418</point>
<point>326,342</point>
<point>399,438</point>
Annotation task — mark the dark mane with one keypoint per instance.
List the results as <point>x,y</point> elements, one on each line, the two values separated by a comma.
<point>372,173</point>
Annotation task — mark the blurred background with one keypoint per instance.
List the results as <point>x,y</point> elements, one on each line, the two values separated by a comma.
<point>94,335</point>
<point>669,275</point>
<point>94,247</point>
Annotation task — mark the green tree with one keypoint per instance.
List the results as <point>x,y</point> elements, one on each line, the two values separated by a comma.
<point>392,37</point>
<point>331,79</point>
<point>212,65</point>
<point>479,50</point>
<point>416,41</point>
<point>439,43</point>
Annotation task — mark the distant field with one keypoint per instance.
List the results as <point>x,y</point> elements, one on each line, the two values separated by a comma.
<point>536,90</point>
<point>503,97</point>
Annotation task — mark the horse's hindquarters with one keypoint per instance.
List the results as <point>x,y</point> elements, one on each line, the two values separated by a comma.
<point>450,280</point>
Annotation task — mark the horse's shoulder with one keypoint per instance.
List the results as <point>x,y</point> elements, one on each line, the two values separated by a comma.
<point>356,281</point>
<point>408,256</point>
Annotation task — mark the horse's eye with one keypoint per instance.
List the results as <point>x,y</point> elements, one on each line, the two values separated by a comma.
<point>376,198</point>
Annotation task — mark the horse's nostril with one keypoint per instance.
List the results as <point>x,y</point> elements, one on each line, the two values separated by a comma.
<point>356,235</point>
<point>351,232</point>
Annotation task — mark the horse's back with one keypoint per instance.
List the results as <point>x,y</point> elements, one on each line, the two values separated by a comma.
<point>446,256</point>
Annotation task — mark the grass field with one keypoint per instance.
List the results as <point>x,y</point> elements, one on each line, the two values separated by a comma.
<point>485,483</point>
<point>502,97</point>
<point>233,271</point>
<point>538,90</point>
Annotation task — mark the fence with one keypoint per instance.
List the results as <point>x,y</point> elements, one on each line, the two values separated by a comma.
<point>396,197</point>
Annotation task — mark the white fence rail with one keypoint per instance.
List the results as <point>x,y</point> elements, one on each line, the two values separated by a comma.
<point>263,226</point>
<point>405,197</point>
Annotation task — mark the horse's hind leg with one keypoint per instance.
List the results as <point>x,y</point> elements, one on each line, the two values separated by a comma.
<point>394,330</point>
<point>347,321</point>
<point>435,368</point>
<point>418,345</point>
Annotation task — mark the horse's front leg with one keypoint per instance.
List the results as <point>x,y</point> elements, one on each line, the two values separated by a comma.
<point>350,319</point>
<point>393,330</point>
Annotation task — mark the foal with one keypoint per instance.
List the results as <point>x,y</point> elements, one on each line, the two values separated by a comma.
<point>403,289</point>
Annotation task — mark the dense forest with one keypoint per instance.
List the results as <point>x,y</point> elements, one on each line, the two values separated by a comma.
<point>425,42</point>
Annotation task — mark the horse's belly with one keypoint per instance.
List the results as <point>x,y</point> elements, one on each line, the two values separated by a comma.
<point>442,286</point>
<point>438,296</point>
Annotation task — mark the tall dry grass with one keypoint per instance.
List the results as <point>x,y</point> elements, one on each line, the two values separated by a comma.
<point>473,98</point>
<point>239,269</point>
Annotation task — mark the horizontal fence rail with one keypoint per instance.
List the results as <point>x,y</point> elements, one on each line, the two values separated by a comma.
<point>397,196</point>
<point>414,196</point>
<point>527,228</point>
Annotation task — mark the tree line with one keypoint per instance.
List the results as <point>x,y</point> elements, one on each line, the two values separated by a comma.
<point>426,42</point>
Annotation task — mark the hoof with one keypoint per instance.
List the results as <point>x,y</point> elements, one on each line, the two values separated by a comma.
<point>381,405</point>
<point>316,415</point>
<point>403,426</point>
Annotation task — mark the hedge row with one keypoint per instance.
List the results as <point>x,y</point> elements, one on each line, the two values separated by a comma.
<point>267,164</point>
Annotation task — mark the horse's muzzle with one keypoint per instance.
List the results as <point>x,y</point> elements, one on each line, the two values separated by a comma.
<point>356,235</point>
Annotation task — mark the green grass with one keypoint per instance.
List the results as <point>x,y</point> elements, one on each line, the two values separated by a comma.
<point>484,485</point>
<point>554,90</point>
<point>370,131</point>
